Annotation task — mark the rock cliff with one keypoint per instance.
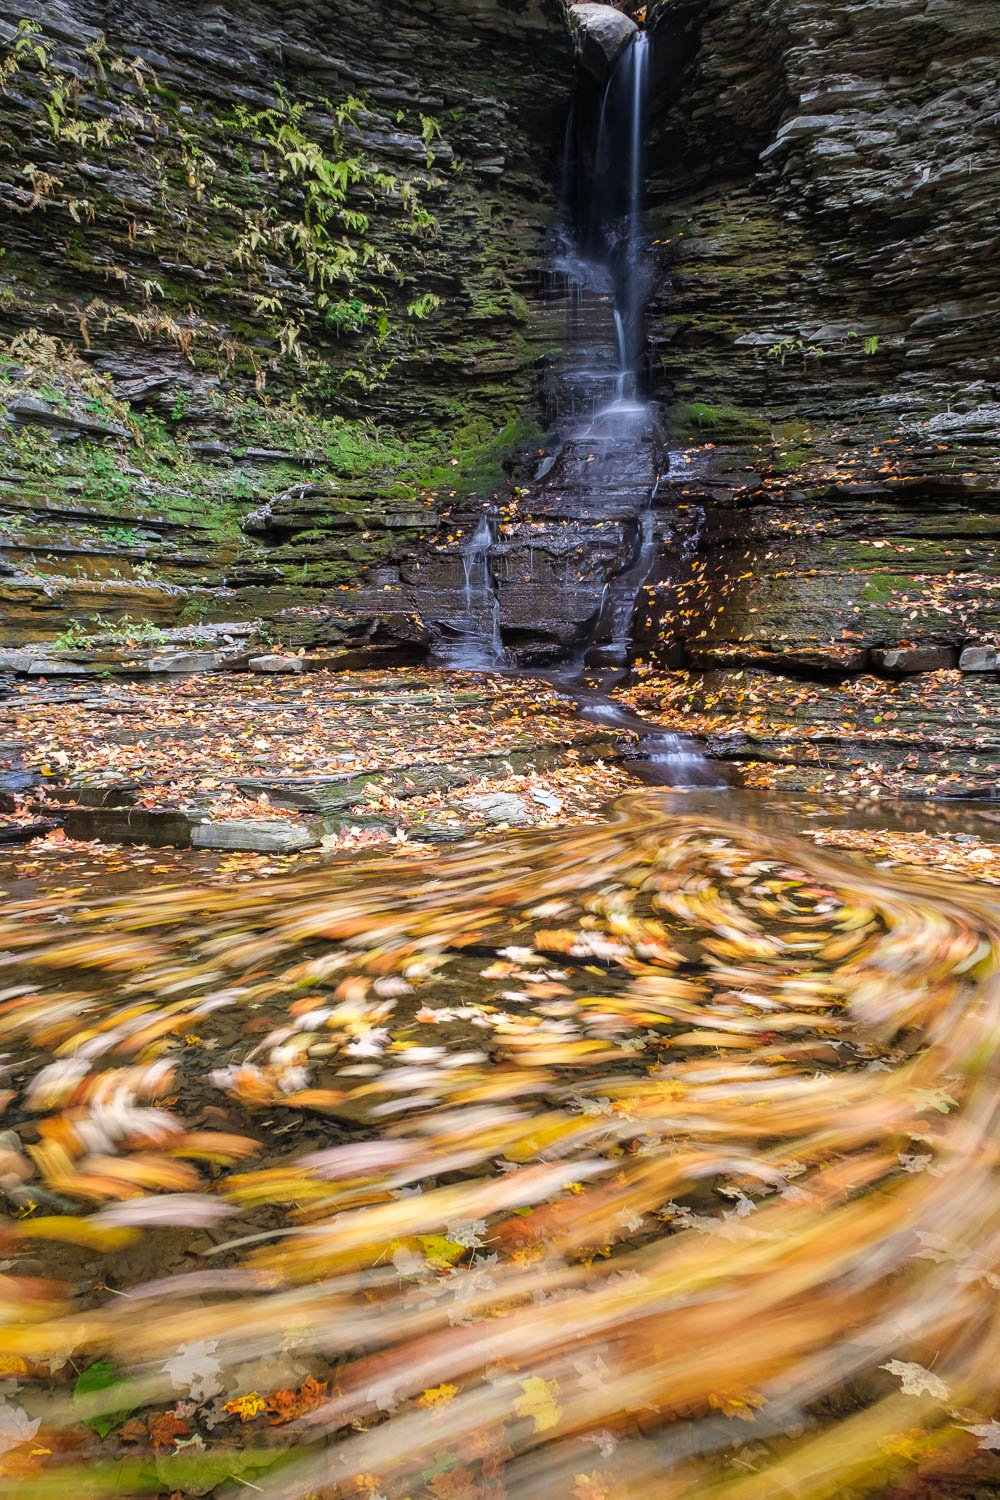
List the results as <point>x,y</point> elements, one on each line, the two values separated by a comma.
<point>266,261</point>
<point>823,198</point>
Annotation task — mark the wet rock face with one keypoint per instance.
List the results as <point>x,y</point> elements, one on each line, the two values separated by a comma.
<point>252,247</point>
<point>548,574</point>
<point>826,315</point>
<point>862,137</point>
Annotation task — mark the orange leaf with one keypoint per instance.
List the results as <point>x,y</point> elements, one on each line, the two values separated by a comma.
<point>165,1430</point>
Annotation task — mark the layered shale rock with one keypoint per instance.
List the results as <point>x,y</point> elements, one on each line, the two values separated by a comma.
<point>823,193</point>
<point>253,252</point>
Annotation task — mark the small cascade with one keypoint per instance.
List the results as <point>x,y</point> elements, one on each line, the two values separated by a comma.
<point>473,642</point>
<point>612,634</point>
<point>662,758</point>
<point>476,559</point>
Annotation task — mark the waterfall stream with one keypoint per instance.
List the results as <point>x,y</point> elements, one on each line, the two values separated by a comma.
<point>599,485</point>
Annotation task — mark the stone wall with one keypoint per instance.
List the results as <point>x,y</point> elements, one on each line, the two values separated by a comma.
<point>264,263</point>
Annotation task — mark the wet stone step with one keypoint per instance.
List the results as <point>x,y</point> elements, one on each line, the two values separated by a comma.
<point>254,836</point>
<point>23,832</point>
<point>160,827</point>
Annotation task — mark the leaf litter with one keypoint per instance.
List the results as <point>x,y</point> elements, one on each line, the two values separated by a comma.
<point>579,1163</point>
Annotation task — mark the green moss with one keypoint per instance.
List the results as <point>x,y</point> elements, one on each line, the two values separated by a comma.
<point>722,424</point>
<point>882,588</point>
<point>787,460</point>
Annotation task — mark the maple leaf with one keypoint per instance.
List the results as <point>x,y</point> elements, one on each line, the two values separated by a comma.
<point>439,1250</point>
<point>312,1393</point>
<point>283,1406</point>
<point>194,1369</point>
<point>246,1407</point>
<point>288,1406</point>
<point>538,1402</point>
<point>454,1484</point>
<point>915,1379</point>
<point>438,1395</point>
<point>469,1235</point>
<point>101,1377</point>
<point>988,1434</point>
<point>165,1430</point>
<point>732,1404</point>
<point>15,1426</point>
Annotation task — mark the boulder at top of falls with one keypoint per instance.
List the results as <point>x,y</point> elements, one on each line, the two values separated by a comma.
<point>600,35</point>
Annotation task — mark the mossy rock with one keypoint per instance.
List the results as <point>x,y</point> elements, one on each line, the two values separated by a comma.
<point>722,424</point>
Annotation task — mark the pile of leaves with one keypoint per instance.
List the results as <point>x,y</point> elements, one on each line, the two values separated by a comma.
<point>958,854</point>
<point>651,1159</point>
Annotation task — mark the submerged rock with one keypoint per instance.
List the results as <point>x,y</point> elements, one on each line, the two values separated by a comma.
<point>600,35</point>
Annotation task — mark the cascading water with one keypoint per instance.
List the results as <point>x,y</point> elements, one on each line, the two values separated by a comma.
<point>565,577</point>
<point>601,244</point>
<point>631,282</point>
<point>603,255</point>
<point>475,644</point>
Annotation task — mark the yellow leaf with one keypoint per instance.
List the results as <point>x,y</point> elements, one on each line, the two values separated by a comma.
<point>539,1402</point>
<point>246,1407</point>
<point>438,1395</point>
<point>439,1250</point>
<point>742,1404</point>
<point>70,1230</point>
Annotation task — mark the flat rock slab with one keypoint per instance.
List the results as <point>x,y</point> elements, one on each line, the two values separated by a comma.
<point>94,793</point>
<point>41,666</point>
<point>274,763</point>
<point>254,836</point>
<point>916,659</point>
<point>499,807</point>
<point>264,664</point>
<point>187,661</point>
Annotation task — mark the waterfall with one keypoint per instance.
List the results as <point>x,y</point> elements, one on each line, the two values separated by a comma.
<point>565,574</point>
<point>612,222</point>
<point>635,289</point>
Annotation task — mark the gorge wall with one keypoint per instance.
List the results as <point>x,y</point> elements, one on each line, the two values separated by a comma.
<point>822,233</point>
<point>824,200</point>
<point>263,296</point>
